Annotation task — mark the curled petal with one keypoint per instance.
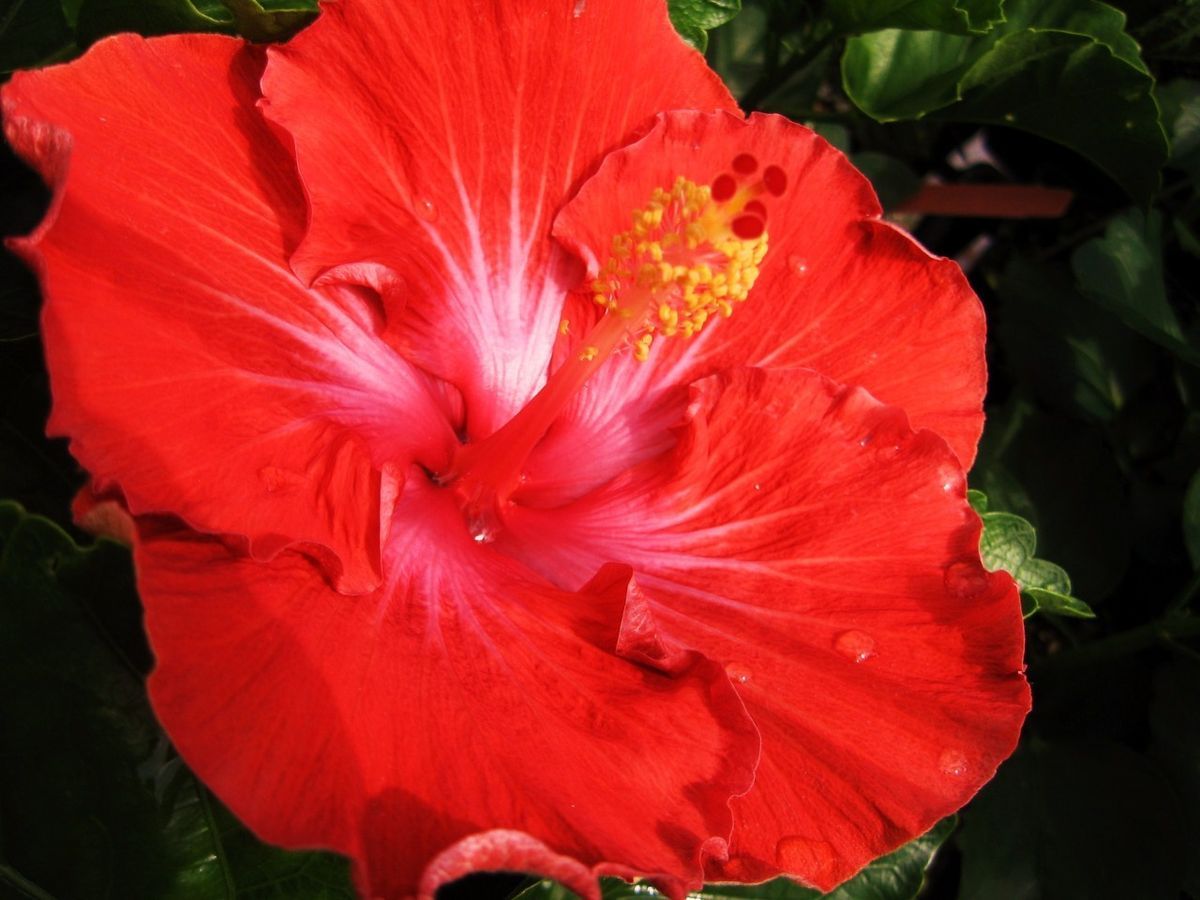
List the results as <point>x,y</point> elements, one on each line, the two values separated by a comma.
<point>802,534</point>
<point>326,720</point>
<point>448,164</point>
<point>189,367</point>
<point>839,291</point>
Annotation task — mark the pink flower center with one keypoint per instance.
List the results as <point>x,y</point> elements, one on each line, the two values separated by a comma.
<point>691,255</point>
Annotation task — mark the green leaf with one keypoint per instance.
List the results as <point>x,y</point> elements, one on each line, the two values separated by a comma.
<point>99,18</point>
<point>1008,542</point>
<point>1101,103</point>
<point>1096,821</point>
<point>106,808</point>
<point>694,19</point>
<point>899,875</point>
<point>271,20</point>
<point>1191,520</point>
<point>1123,272</point>
<point>1078,358</point>
<point>1180,102</point>
<point>957,17</point>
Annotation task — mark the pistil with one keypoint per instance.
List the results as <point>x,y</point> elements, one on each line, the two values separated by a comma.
<point>691,255</point>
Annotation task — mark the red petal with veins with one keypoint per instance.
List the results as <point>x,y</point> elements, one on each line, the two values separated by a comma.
<point>465,716</point>
<point>840,292</point>
<point>448,165</point>
<point>801,533</point>
<point>189,366</point>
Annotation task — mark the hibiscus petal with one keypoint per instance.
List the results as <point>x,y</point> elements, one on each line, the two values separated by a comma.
<point>801,533</point>
<point>839,291</point>
<point>466,715</point>
<point>446,157</point>
<point>188,363</point>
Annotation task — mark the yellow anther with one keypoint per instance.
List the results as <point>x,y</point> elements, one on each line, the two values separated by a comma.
<point>587,354</point>
<point>564,327</point>
<point>678,266</point>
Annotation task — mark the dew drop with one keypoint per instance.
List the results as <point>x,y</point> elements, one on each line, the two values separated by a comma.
<point>578,8</point>
<point>482,526</point>
<point>798,266</point>
<point>424,209</point>
<point>952,762</point>
<point>966,579</point>
<point>757,486</point>
<point>950,479</point>
<point>857,646</point>
<point>738,673</point>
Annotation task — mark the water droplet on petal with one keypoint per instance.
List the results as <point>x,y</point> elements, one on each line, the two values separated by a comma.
<point>953,762</point>
<point>951,479</point>
<point>966,579</point>
<point>855,645</point>
<point>424,209</point>
<point>798,266</point>
<point>757,486</point>
<point>578,8</point>
<point>482,525</point>
<point>738,673</point>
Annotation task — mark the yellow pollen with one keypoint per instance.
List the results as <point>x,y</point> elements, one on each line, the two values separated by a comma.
<point>564,327</point>
<point>679,266</point>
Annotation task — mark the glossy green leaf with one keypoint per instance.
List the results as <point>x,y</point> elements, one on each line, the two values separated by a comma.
<point>1040,71</point>
<point>1123,271</point>
<point>955,16</point>
<point>1180,102</point>
<point>694,19</point>
<point>1009,542</point>
<point>899,875</point>
<point>1093,821</point>
<point>106,807</point>
<point>270,20</point>
<point>1191,520</point>
<point>1061,476</point>
<point>98,18</point>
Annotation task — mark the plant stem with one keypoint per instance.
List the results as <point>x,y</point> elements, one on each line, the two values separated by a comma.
<point>1168,630</point>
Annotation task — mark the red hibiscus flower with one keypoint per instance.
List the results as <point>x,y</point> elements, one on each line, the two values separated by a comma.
<point>519,441</point>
